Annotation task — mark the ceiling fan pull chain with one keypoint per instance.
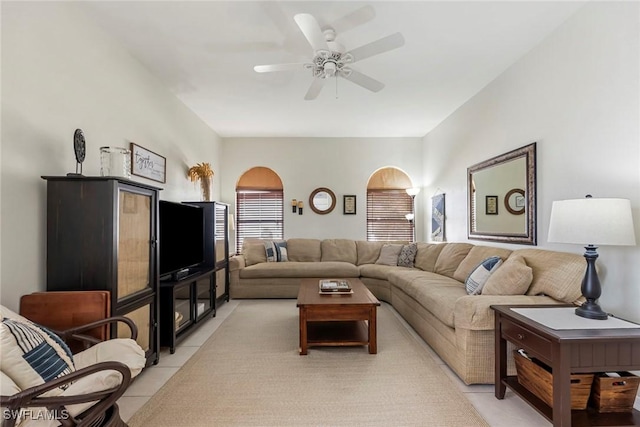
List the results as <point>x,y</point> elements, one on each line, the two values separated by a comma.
<point>336,86</point>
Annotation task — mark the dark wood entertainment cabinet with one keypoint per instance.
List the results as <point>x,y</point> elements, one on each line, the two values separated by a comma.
<point>102,235</point>
<point>185,304</point>
<point>566,351</point>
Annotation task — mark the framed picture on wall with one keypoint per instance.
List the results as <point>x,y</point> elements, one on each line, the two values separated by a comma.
<point>491,205</point>
<point>349,205</point>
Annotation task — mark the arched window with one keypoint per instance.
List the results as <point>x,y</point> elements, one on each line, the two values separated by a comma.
<point>259,206</point>
<point>388,205</point>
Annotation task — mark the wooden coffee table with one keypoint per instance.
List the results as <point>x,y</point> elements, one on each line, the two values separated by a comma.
<point>337,320</point>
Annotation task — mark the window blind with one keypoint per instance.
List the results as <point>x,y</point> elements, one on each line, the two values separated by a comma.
<point>386,210</point>
<point>259,215</point>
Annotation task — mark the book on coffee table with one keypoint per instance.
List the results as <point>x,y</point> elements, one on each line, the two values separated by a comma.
<point>335,286</point>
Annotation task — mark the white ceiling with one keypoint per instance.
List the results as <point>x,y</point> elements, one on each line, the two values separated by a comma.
<point>204,52</point>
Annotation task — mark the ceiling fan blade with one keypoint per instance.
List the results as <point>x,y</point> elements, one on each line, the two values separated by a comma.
<point>278,67</point>
<point>311,30</point>
<point>316,86</point>
<point>382,45</point>
<point>353,19</point>
<point>363,80</point>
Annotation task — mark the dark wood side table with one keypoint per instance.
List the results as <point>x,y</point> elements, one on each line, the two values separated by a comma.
<point>566,351</point>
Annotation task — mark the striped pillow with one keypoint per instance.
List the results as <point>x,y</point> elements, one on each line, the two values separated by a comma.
<point>276,250</point>
<point>481,273</point>
<point>32,355</point>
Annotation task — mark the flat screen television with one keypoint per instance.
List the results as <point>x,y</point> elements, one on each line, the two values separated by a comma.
<point>181,237</point>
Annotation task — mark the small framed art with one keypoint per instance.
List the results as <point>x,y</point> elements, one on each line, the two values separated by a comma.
<point>491,205</point>
<point>349,204</point>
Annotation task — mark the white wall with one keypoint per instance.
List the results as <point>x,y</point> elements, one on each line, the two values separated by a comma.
<point>577,95</point>
<point>343,165</point>
<point>61,72</point>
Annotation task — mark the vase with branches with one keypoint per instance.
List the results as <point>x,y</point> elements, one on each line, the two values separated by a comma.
<point>202,172</point>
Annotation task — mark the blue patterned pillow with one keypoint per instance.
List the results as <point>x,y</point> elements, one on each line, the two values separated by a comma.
<point>276,250</point>
<point>480,275</point>
<point>32,355</point>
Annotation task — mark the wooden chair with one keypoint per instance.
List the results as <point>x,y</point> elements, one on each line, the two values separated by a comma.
<point>90,399</point>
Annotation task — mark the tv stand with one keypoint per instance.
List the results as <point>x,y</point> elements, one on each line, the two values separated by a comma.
<point>185,304</point>
<point>180,274</point>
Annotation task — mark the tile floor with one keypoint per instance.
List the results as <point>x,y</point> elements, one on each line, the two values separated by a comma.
<point>509,412</point>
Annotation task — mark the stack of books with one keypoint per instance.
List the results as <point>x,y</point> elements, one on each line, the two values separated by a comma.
<point>335,287</point>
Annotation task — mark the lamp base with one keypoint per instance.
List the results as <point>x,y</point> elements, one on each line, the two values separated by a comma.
<point>591,310</point>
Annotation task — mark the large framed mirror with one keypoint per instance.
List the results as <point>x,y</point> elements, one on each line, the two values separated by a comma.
<point>502,197</point>
<point>322,200</point>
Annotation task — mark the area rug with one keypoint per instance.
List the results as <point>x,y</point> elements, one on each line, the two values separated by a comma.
<point>249,373</point>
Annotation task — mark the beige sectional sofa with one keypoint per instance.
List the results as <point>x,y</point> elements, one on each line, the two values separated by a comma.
<point>431,295</point>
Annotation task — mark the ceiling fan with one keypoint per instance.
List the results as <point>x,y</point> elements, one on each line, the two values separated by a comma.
<point>330,59</point>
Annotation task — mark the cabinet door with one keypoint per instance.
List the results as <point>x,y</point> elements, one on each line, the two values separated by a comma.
<point>145,319</point>
<point>204,296</point>
<point>221,282</point>
<point>133,246</point>
<point>221,234</point>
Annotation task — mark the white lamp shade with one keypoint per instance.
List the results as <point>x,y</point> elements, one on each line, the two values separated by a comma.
<point>592,221</point>
<point>413,191</point>
<point>409,216</point>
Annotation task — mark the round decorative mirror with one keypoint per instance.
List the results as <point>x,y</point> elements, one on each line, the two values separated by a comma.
<point>322,200</point>
<point>514,201</point>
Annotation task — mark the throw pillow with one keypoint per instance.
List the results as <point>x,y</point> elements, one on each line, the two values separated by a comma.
<point>276,250</point>
<point>32,355</point>
<point>389,254</point>
<point>407,255</point>
<point>481,274</point>
<point>513,278</point>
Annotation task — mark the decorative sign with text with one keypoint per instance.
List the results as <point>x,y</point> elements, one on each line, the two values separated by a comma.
<point>148,164</point>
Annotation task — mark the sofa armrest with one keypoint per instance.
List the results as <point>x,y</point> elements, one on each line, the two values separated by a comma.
<point>236,262</point>
<point>473,311</point>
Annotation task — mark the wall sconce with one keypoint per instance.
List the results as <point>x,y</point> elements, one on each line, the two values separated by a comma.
<point>294,205</point>
<point>300,205</point>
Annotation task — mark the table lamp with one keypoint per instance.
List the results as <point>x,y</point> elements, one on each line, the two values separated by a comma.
<point>592,221</point>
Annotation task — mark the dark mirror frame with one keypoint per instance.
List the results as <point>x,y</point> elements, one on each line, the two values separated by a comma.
<point>315,208</point>
<point>529,237</point>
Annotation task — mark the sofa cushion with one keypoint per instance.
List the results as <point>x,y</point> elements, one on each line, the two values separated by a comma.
<point>427,255</point>
<point>276,250</point>
<point>389,254</point>
<point>403,276</point>
<point>512,278</point>
<point>368,252</point>
<point>339,250</point>
<point>556,274</point>
<point>437,294</point>
<point>481,274</point>
<point>32,355</point>
<point>476,255</point>
<point>450,258</point>
<point>253,251</point>
<point>305,250</point>
<point>407,255</point>
<point>300,269</point>
<point>376,271</point>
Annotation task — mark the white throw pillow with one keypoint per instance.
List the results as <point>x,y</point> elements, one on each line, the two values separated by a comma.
<point>276,250</point>
<point>481,274</point>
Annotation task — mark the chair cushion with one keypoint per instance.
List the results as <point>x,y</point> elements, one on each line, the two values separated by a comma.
<point>339,250</point>
<point>253,251</point>
<point>512,278</point>
<point>123,350</point>
<point>32,355</point>
<point>368,252</point>
<point>480,275</point>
